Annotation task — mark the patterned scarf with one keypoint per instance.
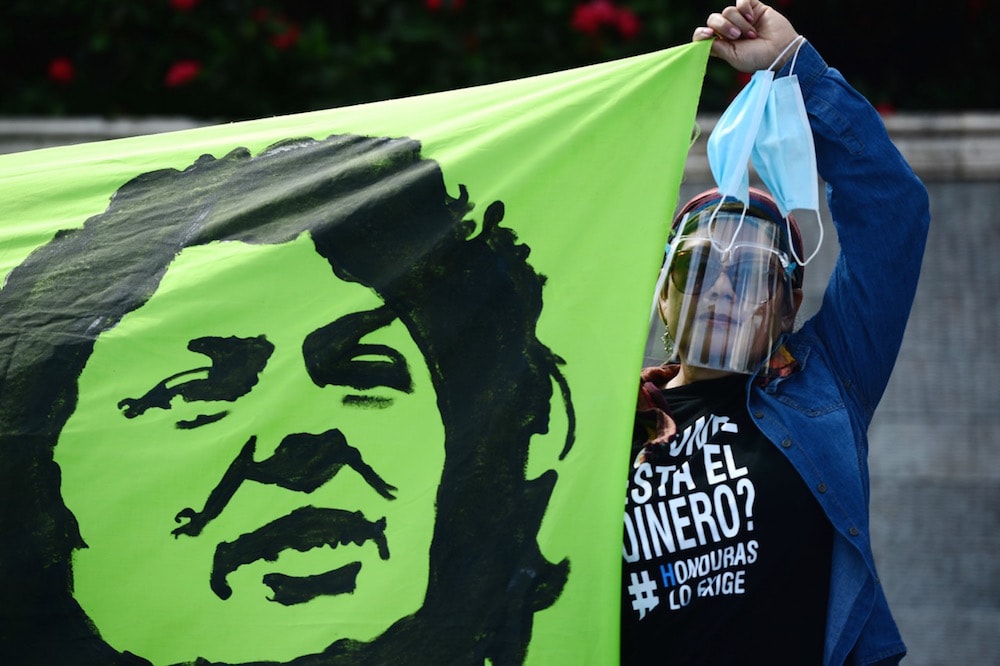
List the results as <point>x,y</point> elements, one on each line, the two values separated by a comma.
<point>655,428</point>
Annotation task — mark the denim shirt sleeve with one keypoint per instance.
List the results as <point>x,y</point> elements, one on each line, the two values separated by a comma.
<point>881,213</point>
<point>819,416</point>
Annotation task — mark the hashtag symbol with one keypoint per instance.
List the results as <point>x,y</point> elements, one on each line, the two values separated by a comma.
<point>643,593</point>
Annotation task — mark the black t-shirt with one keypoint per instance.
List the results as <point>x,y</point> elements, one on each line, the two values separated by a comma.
<point>726,552</point>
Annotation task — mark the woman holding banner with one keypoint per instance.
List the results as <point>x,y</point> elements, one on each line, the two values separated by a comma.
<point>746,523</point>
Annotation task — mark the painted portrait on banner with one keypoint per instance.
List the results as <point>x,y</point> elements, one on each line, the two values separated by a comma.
<point>277,408</point>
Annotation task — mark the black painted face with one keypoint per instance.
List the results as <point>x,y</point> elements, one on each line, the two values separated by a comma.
<point>275,437</point>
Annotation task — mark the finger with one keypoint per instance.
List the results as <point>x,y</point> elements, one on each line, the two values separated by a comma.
<point>723,26</point>
<point>750,9</point>
<point>702,33</point>
<point>724,49</point>
<point>740,22</point>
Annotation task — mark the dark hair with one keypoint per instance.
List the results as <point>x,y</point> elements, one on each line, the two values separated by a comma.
<point>381,216</point>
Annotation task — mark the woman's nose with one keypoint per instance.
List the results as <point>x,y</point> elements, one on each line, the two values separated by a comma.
<point>723,286</point>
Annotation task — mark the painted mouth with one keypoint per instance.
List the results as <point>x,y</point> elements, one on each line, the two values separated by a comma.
<point>302,530</point>
<point>290,590</point>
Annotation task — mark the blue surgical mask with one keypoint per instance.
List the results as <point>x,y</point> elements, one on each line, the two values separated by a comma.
<point>731,141</point>
<point>783,152</point>
<point>770,117</point>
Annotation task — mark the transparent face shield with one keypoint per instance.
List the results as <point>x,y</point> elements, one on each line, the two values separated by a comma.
<point>725,291</point>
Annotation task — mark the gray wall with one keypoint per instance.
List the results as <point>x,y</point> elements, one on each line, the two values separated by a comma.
<point>935,441</point>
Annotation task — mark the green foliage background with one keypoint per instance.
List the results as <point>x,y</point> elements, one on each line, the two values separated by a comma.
<point>254,58</point>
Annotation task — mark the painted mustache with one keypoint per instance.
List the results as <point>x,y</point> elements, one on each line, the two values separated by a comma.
<point>303,529</point>
<point>302,462</point>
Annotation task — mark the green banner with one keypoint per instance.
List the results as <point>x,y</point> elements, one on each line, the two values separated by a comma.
<point>352,386</point>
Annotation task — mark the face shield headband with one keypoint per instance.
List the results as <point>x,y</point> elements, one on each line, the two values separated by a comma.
<point>725,290</point>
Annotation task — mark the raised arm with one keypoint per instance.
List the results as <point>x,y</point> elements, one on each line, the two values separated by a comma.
<point>879,207</point>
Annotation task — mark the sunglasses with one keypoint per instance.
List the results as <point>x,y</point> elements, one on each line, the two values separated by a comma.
<point>692,269</point>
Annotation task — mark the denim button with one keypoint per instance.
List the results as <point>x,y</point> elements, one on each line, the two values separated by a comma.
<point>821,487</point>
<point>854,531</point>
<point>786,442</point>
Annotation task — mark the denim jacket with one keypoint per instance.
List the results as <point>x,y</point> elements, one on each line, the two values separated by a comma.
<point>818,415</point>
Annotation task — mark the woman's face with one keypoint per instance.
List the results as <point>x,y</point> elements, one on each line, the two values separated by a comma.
<point>726,298</point>
<point>253,462</point>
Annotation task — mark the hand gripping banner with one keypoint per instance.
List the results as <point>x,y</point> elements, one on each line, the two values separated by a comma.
<point>346,387</point>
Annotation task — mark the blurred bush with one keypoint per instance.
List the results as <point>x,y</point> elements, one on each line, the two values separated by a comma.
<point>238,59</point>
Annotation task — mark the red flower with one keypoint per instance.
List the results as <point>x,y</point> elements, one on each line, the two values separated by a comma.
<point>287,39</point>
<point>628,23</point>
<point>183,5</point>
<point>885,108</point>
<point>438,5</point>
<point>181,73</point>
<point>61,70</point>
<point>584,21</point>
<point>590,17</point>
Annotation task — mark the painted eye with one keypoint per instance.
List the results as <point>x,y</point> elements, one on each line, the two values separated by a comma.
<point>335,356</point>
<point>364,367</point>
<point>235,369</point>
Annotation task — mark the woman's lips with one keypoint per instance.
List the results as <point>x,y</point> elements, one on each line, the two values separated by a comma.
<point>718,319</point>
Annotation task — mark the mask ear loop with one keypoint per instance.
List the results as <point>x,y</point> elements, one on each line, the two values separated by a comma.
<point>797,43</point>
<point>661,282</point>
<point>669,250</point>
<point>695,134</point>
<point>736,232</point>
<point>819,241</point>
